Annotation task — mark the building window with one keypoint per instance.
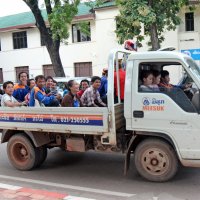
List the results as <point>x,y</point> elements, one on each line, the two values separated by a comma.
<point>21,69</point>
<point>1,75</point>
<point>20,40</point>
<point>189,21</point>
<point>48,70</point>
<point>78,36</point>
<point>83,69</point>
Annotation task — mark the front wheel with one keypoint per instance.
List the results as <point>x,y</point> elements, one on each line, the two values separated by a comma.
<point>155,160</point>
<point>22,153</point>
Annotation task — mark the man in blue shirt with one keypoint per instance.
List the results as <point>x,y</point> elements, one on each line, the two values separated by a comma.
<point>38,93</point>
<point>104,85</point>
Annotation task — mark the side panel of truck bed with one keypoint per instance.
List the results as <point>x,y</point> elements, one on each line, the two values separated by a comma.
<point>65,120</point>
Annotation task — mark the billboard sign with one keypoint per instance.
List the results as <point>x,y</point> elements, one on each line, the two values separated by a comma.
<point>194,53</point>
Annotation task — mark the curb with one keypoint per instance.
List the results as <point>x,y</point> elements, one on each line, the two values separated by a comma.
<point>13,192</point>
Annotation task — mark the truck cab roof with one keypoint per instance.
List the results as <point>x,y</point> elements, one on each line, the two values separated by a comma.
<point>157,55</point>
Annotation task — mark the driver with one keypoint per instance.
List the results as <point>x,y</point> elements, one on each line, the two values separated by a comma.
<point>165,82</point>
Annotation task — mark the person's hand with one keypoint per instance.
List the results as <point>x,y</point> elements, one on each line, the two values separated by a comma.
<point>188,85</point>
<point>59,96</point>
<point>24,103</point>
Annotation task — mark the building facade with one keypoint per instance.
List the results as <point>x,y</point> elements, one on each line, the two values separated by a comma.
<point>22,49</point>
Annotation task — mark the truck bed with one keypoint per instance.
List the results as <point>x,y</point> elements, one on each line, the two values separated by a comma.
<point>88,120</point>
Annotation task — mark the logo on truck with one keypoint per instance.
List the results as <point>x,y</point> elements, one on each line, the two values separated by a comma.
<point>153,104</point>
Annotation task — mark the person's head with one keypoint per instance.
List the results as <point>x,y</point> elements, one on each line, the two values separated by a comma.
<point>23,77</point>
<point>105,72</point>
<point>8,87</point>
<point>40,81</point>
<point>96,82</point>
<point>31,83</point>
<point>49,81</point>
<point>147,77</point>
<point>156,77</point>
<point>54,84</point>
<point>73,86</point>
<point>84,84</point>
<point>165,76</point>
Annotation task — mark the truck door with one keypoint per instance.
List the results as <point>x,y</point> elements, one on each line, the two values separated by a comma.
<point>168,109</point>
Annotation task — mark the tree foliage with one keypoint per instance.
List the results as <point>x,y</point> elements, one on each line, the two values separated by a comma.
<point>60,15</point>
<point>155,15</point>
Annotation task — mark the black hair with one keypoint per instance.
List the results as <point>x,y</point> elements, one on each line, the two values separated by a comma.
<point>49,77</point>
<point>145,74</point>
<point>94,78</point>
<point>39,77</point>
<point>22,73</point>
<point>70,84</point>
<point>6,83</point>
<point>156,73</point>
<point>29,81</point>
<point>84,80</point>
<point>164,73</point>
<point>54,81</point>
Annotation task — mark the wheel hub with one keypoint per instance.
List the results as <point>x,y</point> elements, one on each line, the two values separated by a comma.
<point>155,161</point>
<point>23,151</point>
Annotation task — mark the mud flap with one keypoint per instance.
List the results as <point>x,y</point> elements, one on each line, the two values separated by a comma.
<point>128,154</point>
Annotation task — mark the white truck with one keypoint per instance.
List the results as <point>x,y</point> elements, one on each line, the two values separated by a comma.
<point>161,129</point>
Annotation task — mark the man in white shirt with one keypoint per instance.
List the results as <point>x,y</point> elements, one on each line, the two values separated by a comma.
<point>7,99</point>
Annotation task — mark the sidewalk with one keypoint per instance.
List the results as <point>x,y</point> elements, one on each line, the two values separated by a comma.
<point>9,192</point>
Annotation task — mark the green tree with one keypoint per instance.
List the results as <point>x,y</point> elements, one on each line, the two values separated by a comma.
<point>156,16</point>
<point>60,14</point>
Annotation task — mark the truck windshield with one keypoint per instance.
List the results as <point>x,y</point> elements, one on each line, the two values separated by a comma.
<point>193,66</point>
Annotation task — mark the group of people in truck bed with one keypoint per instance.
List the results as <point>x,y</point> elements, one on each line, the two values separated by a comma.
<point>42,92</point>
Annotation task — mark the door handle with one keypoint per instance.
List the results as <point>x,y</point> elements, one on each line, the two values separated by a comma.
<point>138,114</point>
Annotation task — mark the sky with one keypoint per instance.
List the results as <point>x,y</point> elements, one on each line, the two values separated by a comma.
<point>9,7</point>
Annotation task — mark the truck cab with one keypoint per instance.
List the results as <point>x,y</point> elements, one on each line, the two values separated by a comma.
<point>169,115</point>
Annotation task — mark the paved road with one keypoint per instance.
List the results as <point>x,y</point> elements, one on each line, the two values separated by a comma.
<point>98,176</point>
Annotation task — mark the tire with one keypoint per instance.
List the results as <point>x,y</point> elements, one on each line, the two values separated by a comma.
<point>22,153</point>
<point>42,153</point>
<point>156,160</point>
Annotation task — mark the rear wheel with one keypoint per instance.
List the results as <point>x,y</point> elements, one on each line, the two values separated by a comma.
<point>156,160</point>
<point>22,153</point>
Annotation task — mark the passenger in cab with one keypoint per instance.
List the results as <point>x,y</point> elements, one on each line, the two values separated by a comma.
<point>30,84</point>
<point>83,86</point>
<point>122,77</point>
<point>165,79</point>
<point>38,94</point>
<point>21,89</point>
<point>156,80</point>
<point>72,99</point>
<point>147,81</point>
<point>91,96</point>
<point>7,99</point>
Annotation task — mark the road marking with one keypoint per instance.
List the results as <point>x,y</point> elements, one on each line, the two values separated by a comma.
<point>9,187</point>
<point>85,189</point>
<point>75,198</point>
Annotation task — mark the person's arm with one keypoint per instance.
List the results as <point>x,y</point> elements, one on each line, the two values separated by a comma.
<point>43,98</point>
<point>9,103</point>
<point>99,100</point>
